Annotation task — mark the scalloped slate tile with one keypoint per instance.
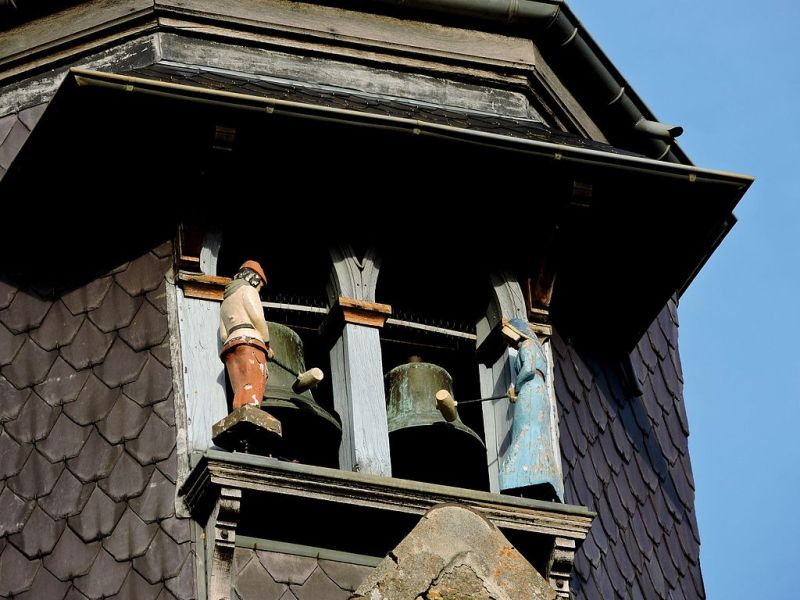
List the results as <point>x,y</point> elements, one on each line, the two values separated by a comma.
<point>71,557</point>
<point>125,421</point>
<point>163,250</point>
<point>158,298</point>
<point>345,575</point>
<point>98,517</point>
<point>148,328</point>
<point>104,579</point>
<point>131,537</point>
<point>65,440</point>
<point>37,477</point>
<point>136,587</point>
<point>117,310</point>
<point>62,384</point>
<point>127,480</point>
<point>155,443</point>
<point>34,421</point>
<point>13,143</point>
<point>94,402</point>
<point>58,328</point>
<point>143,274</point>
<point>30,116</point>
<point>39,536</point>
<point>88,297</point>
<point>30,365</point>
<point>96,460</point>
<point>14,512</point>
<point>122,365</point>
<point>13,455</point>
<point>169,467</point>
<point>182,586</point>
<point>254,582</point>
<point>157,501</point>
<point>319,585</point>
<point>162,353</point>
<point>10,344</point>
<point>180,530</point>
<point>88,348</point>
<point>154,384</point>
<point>68,497</point>
<point>163,560</point>
<point>16,571</point>
<point>287,568</point>
<point>7,291</point>
<point>74,594</point>
<point>26,311</point>
<point>45,587</point>
<point>166,410</point>
<point>11,400</point>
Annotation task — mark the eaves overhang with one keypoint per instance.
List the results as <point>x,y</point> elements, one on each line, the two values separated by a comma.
<point>577,59</point>
<point>631,231</point>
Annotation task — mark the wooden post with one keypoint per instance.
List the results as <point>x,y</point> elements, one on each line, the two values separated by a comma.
<point>356,366</point>
<point>203,372</point>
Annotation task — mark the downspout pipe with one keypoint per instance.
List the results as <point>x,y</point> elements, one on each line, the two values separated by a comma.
<point>603,91</point>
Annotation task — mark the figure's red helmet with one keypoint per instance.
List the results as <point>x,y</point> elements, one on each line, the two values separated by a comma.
<point>254,266</point>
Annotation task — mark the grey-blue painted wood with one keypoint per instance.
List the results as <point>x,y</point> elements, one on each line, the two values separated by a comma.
<point>359,398</point>
<point>531,459</point>
<point>203,371</point>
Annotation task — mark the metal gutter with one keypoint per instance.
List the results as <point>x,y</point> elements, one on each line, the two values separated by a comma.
<point>556,152</point>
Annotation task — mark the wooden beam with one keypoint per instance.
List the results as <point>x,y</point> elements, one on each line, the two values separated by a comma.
<point>204,287</point>
<point>73,27</point>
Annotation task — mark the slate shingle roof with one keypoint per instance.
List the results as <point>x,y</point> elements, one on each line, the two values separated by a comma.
<point>87,441</point>
<point>626,457</point>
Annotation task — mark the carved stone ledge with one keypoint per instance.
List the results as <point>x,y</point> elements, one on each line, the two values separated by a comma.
<point>557,529</point>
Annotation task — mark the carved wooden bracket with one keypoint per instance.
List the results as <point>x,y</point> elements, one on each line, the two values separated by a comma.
<point>357,312</point>
<point>559,568</point>
<point>224,543</point>
<point>205,287</point>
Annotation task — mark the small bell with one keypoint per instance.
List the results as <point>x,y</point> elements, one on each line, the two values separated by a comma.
<point>311,435</point>
<point>424,446</point>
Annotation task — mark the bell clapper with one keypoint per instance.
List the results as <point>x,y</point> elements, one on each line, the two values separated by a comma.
<point>446,405</point>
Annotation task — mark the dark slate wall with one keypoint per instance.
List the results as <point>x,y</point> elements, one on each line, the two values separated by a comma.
<point>264,575</point>
<point>626,457</point>
<point>88,442</point>
<point>14,131</point>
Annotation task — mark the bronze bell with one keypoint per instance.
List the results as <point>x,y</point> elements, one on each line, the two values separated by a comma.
<point>424,446</point>
<point>311,435</point>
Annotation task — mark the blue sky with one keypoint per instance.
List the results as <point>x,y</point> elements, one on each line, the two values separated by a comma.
<point>728,72</point>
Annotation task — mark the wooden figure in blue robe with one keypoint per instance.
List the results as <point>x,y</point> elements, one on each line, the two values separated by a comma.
<point>531,464</point>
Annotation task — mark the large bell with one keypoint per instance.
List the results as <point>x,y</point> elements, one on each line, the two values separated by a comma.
<point>424,446</point>
<point>311,435</point>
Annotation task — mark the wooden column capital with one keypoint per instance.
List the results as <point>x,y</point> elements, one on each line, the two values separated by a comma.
<point>357,312</point>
